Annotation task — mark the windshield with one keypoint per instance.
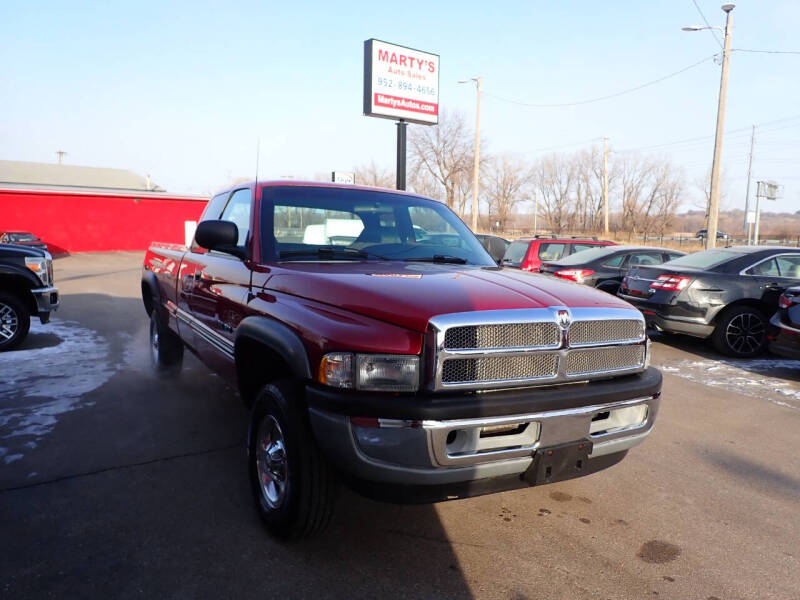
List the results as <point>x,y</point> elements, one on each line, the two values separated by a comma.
<point>587,256</point>
<point>707,259</point>
<point>21,237</point>
<point>324,224</point>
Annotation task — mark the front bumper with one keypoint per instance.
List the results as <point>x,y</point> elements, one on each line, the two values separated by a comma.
<point>47,300</point>
<point>658,316</point>
<point>439,450</point>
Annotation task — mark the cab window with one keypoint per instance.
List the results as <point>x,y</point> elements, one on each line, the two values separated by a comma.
<point>615,262</point>
<point>789,266</point>
<point>238,211</point>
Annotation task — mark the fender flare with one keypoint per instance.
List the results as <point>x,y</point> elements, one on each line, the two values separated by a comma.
<point>26,274</point>
<point>151,283</point>
<point>278,338</point>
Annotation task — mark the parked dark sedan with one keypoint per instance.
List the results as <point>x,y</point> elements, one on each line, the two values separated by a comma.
<point>494,244</point>
<point>784,326</point>
<point>605,267</point>
<point>725,294</point>
<point>22,238</point>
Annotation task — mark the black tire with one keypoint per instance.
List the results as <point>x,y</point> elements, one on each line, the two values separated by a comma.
<point>166,348</point>
<point>293,485</point>
<point>741,332</point>
<point>15,321</point>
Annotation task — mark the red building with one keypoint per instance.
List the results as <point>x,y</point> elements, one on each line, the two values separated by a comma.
<point>84,209</point>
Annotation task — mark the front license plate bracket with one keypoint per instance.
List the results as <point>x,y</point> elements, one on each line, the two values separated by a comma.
<point>558,463</point>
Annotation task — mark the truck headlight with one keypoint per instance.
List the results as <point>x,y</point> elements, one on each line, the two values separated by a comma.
<point>370,372</point>
<point>38,266</point>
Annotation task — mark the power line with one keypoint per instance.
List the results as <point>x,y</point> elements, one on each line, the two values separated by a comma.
<point>594,139</point>
<point>608,97</point>
<point>727,133</point>
<point>767,51</point>
<point>711,29</point>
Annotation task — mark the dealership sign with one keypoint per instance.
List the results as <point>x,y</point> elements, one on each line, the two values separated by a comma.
<point>400,83</point>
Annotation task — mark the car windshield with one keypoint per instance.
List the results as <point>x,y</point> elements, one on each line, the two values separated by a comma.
<point>304,223</point>
<point>707,259</point>
<point>587,256</point>
<point>21,237</point>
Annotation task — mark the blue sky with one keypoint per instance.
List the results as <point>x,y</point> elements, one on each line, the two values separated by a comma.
<point>182,90</point>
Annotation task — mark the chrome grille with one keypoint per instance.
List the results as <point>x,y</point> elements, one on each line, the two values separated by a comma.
<point>509,335</point>
<point>605,331</point>
<point>498,349</point>
<point>500,368</point>
<point>602,360</point>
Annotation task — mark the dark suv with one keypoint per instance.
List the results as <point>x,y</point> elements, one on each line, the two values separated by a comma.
<point>528,254</point>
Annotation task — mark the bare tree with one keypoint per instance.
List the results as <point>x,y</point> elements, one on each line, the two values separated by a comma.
<point>444,151</point>
<point>375,176</point>
<point>503,185</point>
<point>553,178</point>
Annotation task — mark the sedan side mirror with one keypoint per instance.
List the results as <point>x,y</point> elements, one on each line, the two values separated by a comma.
<point>221,236</point>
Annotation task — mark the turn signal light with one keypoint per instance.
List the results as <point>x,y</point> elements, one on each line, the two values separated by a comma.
<point>671,283</point>
<point>574,274</point>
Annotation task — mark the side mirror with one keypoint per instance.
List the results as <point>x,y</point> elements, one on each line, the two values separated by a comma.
<point>221,236</point>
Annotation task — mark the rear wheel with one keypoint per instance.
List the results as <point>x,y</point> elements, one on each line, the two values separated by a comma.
<point>293,485</point>
<point>15,321</point>
<point>166,348</point>
<point>741,332</point>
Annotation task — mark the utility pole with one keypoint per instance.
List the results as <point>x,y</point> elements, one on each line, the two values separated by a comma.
<point>475,178</point>
<point>60,154</point>
<point>747,222</point>
<point>402,128</point>
<point>713,212</point>
<point>605,185</point>
<point>535,212</point>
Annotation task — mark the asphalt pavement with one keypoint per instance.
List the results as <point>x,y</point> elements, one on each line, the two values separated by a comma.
<point>114,483</point>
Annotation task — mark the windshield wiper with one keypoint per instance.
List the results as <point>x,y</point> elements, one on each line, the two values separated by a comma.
<point>332,252</point>
<point>439,258</point>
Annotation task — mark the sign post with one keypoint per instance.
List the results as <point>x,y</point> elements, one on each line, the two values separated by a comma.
<point>401,84</point>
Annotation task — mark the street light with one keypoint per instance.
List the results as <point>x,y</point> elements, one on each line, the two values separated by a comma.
<point>713,204</point>
<point>478,81</point>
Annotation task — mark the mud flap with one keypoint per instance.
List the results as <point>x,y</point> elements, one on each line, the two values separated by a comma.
<point>558,463</point>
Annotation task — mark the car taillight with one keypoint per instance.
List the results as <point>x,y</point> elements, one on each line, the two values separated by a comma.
<point>574,274</point>
<point>671,283</point>
<point>786,300</point>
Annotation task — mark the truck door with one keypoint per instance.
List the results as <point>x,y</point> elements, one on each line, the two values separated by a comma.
<point>221,288</point>
<point>189,273</point>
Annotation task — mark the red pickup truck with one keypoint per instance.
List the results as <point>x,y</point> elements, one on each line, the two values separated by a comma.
<point>380,345</point>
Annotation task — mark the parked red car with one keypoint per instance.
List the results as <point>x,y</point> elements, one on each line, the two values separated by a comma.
<point>528,254</point>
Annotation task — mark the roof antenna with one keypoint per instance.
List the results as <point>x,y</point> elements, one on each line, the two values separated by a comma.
<point>258,150</point>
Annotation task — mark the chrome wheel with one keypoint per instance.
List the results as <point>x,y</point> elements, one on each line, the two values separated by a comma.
<point>9,322</point>
<point>273,473</point>
<point>745,333</point>
<point>154,341</point>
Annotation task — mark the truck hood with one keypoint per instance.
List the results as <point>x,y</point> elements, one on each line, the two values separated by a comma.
<point>409,294</point>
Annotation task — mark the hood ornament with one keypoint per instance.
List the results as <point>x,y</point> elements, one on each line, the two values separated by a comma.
<point>564,318</point>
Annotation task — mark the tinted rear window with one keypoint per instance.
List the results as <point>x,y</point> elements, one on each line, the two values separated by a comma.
<point>707,259</point>
<point>516,252</point>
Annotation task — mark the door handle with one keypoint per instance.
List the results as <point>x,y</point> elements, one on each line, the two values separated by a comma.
<point>771,286</point>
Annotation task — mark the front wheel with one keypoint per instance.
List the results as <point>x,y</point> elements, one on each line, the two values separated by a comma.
<point>166,348</point>
<point>15,321</point>
<point>741,332</point>
<point>293,485</point>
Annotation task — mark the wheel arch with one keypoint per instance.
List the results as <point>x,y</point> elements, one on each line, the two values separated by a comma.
<point>266,350</point>
<point>20,286</point>
<point>150,295</point>
<point>762,307</point>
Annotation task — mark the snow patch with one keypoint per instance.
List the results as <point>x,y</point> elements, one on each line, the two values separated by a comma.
<point>54,377</point>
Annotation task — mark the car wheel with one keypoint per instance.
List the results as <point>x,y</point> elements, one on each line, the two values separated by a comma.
<point>15,321</point>
<point>293,485</point>
<point>166,348</point>
<point>741,332</point>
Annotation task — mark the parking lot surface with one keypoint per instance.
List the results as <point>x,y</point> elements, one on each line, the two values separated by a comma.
<point>114,483</point>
